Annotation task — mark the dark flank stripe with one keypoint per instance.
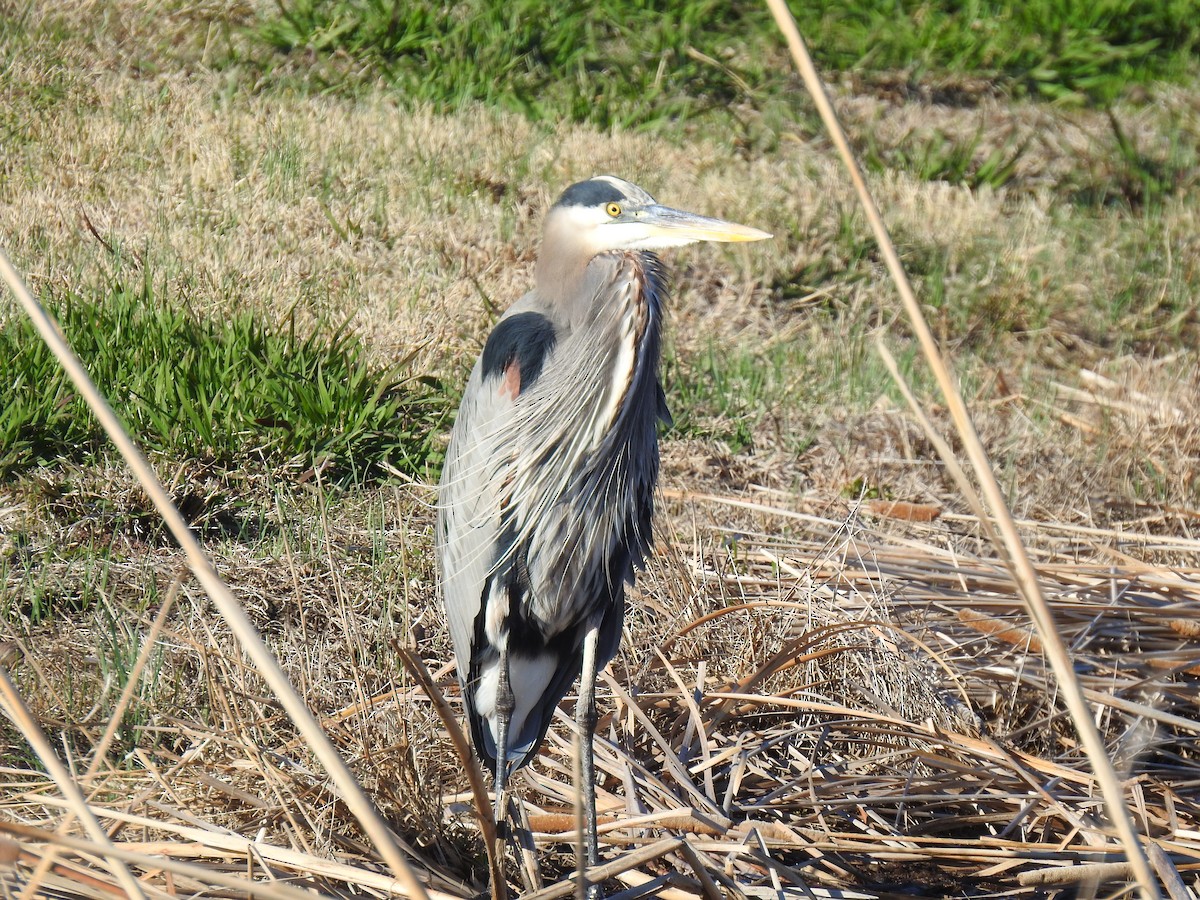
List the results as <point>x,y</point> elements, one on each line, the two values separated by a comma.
<point>526,338</point>
<point>481,653</point>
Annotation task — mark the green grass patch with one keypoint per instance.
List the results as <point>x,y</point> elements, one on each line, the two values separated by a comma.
<point>641,63</point>
<point>30,92</point>
<point>780,392</point>
<point>936,156</point>
<point>229,394</point>
<point>722,394</point>
<point>80,581</point>
<point>1115,170</point>
<point>1129,175</point>
<point>621,62</point>
<point>1063,50</point>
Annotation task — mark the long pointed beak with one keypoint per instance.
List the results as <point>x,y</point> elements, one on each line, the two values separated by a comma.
<point>676,224</point>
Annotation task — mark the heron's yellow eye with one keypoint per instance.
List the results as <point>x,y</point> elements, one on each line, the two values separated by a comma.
<point>613,209</point>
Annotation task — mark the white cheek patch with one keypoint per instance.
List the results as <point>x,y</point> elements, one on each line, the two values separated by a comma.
<point>585,226</point>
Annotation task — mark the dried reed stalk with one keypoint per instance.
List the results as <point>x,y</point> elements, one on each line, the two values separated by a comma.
<point>363,809</point>
<point>20,715</point>
<point>483,811</point>
<point>1016,556</point>
<point>101,750</point>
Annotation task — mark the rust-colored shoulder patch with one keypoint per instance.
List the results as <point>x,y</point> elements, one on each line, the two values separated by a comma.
<point>511,384</point>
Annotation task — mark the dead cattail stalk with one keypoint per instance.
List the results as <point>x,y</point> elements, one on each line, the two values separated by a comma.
<point>905,510</point>
<point>1187,627</point>
<point>1001,630</point>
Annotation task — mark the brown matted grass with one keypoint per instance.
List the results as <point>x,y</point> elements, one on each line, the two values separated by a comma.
<point>810,690</point>
<point>819,690</point>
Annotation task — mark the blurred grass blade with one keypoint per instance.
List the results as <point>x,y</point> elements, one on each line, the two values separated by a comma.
<point>362,808</point>
<point>27,725</point>
<point>1013,548</point>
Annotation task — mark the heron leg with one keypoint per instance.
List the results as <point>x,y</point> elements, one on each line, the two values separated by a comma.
<point>504,710</point>
<point>585,719</point>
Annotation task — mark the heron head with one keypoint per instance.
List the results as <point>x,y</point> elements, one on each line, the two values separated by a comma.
<point>608,213</point>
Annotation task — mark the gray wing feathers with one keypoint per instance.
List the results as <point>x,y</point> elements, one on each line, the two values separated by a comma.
<point>547,493</point>
<point>469,507</point>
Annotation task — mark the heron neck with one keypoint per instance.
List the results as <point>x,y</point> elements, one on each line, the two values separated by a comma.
<point>561,275</point>
<point>579,290</point>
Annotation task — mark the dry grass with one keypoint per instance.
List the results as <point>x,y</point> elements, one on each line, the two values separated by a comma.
<point>858,700</point>
<point>811,691</point>
<point>859,693</point>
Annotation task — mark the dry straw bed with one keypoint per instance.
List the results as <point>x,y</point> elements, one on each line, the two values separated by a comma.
<point>855,713</point>
<point>818,696</point>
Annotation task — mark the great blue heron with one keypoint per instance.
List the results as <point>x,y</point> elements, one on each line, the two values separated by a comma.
<point>547,493</point>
